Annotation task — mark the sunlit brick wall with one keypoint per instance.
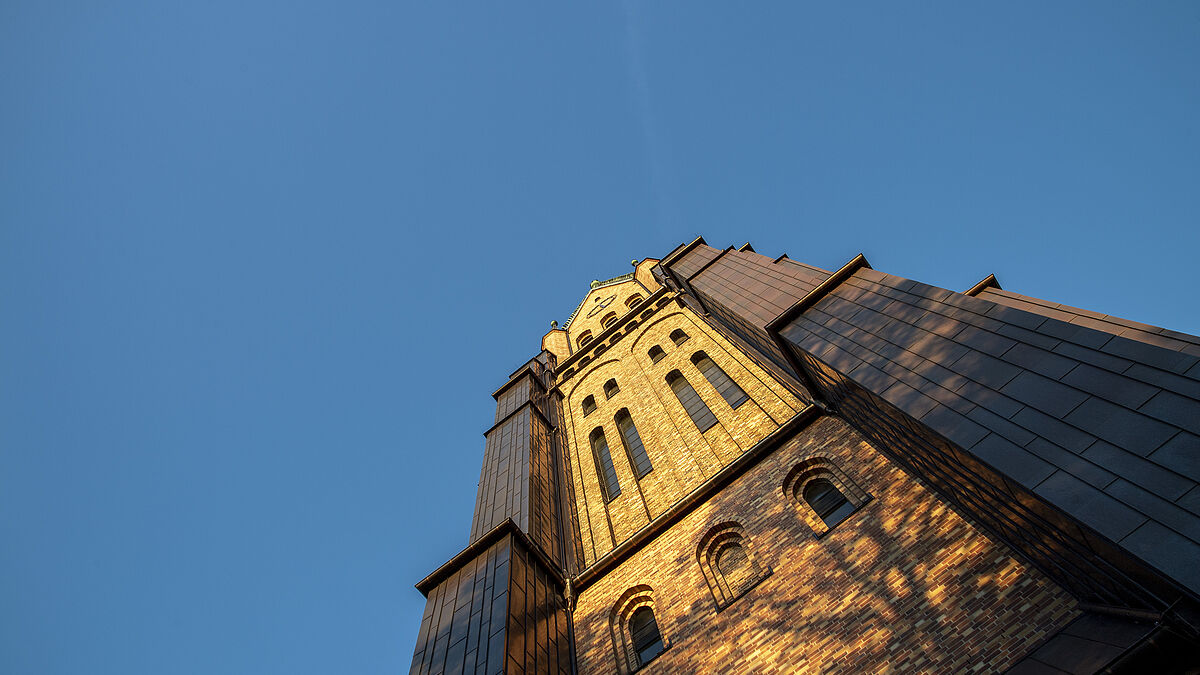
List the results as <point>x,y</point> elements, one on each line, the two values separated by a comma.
<point>682,456</point>
<point>903,584</point>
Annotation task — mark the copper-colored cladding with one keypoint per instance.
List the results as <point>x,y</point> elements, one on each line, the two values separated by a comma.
<point>1023,477</point>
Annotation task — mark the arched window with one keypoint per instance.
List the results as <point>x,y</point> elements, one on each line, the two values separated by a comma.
<point>678,336</point>
<point>830,504</point>
<point>656,353</point>
<point>584,338</point>
<point>634,629</point>
<point>643,630</point>
<point>724,384</point>
<point>604,466</point>
<point>589,405</point>
<point>638,459</point>
<point>611,389</point>
<point>633,300</point>
<point>729,568</point>
<point>824,493</point>
<point>691,401</point>
<point>609,319</point>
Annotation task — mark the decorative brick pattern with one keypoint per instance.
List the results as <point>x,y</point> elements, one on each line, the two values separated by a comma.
<point>905,583</point>
<point>1054,402</point>
<point>682,455</point>
<point>600,303</point>
<point>1051,421</point>
<point>1003,458</point>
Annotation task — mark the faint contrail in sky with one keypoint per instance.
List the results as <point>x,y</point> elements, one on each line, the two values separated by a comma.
<point>656,151</point>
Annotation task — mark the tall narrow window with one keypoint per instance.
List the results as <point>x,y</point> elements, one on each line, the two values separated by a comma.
<point>638,459</point>
<point>656,353</point>
<point>611,388</point>
<point>829,503</point>
<point>678,336</point>
<point>691,401</point>
<point>647,641</point>
<point>589,405</point>
<point>604,466</point>
<point>724,385</point>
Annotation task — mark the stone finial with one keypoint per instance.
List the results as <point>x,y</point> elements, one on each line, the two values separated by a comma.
<point>634,262</point>
<point>554,324</point>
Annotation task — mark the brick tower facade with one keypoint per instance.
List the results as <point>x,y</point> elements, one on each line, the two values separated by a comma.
<point>728,463</point>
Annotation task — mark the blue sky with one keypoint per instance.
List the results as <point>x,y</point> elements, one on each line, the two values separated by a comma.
<point>261,264</point>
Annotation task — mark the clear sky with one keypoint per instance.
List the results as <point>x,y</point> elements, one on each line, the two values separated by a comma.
<point>261,264</point>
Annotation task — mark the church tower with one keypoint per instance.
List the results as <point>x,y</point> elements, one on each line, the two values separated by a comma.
<point>728,463</point>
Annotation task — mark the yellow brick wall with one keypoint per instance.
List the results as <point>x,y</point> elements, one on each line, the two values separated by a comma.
<point>904,584</point>
<point>557,343</point>
<point>682,456</point>
<point>642,272</point>
<point>590,314</point>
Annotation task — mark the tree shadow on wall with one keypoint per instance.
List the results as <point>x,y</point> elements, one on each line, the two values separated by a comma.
<point>917,586</point>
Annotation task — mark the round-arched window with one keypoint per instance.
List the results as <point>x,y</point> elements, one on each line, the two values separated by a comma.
<point>829,503</point>
<point>647,641</point>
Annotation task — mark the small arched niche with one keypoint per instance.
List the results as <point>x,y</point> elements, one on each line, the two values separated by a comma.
<point>728,564</point>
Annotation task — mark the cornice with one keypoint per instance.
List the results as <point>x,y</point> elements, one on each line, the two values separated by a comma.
<point>696,498</point>
<point>516,410</point>
<point>777,324</point>
<point>664,266</point>
<point>708,264</point>
<point>680,251</point>
<point>482,544</point>
<point>831,282</point>
<point>526,369</point>
<point>987,282</point>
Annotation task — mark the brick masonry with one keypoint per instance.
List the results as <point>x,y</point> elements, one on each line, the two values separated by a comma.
<point>682,455</point>
<point>1009,458</point>
<point>905,584</point>
<point>1086,418</point>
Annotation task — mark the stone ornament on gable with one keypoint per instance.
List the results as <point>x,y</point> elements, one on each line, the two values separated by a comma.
<point>601,304</point>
